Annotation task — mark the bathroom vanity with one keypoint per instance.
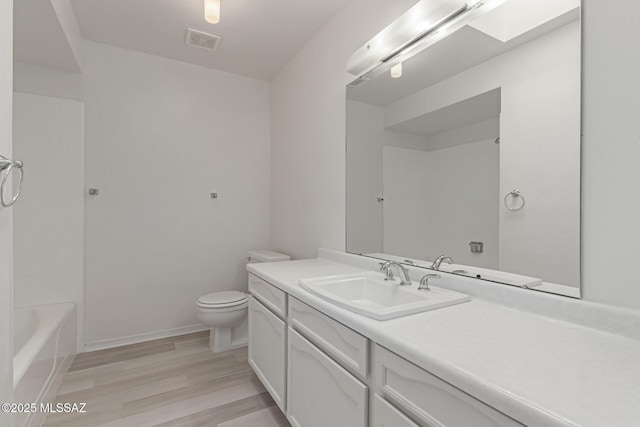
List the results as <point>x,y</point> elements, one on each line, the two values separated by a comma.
<point>329,380</point>
<point>479,363</point>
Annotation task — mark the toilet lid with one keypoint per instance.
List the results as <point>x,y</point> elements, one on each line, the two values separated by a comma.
<point>223,298</point>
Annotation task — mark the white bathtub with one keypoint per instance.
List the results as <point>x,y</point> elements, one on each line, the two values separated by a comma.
<point>44,346</point>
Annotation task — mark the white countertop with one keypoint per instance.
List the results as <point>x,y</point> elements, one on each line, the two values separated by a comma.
<point>538,370</point>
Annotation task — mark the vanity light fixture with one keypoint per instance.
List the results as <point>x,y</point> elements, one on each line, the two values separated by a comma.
<point>396,70</point>
<point>212,11</point>
<point>422,25</point>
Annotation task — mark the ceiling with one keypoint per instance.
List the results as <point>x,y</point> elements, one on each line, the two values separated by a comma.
<point>258,37</point>
<point>472,110</point>
<point>39,36</point>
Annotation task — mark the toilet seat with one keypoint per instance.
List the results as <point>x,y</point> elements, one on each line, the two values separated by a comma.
<point>222,299</point>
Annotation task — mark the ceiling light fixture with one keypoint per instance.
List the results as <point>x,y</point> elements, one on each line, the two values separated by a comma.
<point>212,11</point>
<point>396,70</point>
<point>420,26</point>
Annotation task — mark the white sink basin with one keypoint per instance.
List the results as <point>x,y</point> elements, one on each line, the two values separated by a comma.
<point>370,295</point>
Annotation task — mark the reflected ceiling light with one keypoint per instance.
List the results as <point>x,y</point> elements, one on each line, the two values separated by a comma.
<point>424,16</point>
<point>418,27</point>
<point>212,11</point>
<point>396,70</point>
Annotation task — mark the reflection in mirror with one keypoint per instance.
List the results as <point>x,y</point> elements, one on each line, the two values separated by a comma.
<point>474,151</point>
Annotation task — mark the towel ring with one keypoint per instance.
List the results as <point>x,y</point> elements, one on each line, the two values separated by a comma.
<point>8,166</point>
<point>515,194</point>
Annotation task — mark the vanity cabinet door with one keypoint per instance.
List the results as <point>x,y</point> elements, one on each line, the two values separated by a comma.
<point>387,415</point>
<point>321,393</point>
<point>429,399</point>
<point>267,347</point>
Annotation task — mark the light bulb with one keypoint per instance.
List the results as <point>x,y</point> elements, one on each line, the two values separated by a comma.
<point>212,11</point>
<point>396,70</point>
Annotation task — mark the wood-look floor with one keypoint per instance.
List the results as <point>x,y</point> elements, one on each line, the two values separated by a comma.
<point>174,381</point>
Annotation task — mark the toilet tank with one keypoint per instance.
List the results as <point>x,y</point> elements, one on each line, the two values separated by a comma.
<point>266,256</point>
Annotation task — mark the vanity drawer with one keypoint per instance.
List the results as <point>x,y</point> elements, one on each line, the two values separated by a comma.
<point>428,398</point>
<point>343,344</point>
<point>273,298</point>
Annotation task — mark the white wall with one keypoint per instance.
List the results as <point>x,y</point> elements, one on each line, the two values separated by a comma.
<point>47,81</point>
<point>611,149</point>
<point>308,123</point>
<point>48,136</point>
<point>6,225</point>
<point>308,131</point>
<point>449,196</point>
<point>161,135</point>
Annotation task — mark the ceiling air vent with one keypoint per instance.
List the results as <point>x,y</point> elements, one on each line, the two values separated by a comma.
<point>203,40</point>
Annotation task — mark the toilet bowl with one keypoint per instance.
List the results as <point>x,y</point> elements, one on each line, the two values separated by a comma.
<point>226,314</point>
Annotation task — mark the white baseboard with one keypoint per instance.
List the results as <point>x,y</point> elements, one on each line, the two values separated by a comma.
<point>134,339</point>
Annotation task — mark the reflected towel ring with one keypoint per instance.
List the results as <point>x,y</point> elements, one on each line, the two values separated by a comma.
<point>8,166</point>
<point>515,194</point>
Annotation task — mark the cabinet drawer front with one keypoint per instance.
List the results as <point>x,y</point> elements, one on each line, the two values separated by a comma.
<point>273,298</point>
<point>387,415</point>
<point>267,349</point>
<point>343,344</point>
<point>428,398</point>
<point>320,392</point>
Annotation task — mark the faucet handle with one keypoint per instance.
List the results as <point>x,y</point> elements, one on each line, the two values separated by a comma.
<point>424,282</point>
<point>386,267</point>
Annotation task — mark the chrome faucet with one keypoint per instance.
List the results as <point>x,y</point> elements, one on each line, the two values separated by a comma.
<point>424,282</point>
<point>388,267</point>
<point>440,260</point>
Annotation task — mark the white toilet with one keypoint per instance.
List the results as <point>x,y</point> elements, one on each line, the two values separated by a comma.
<point>226,312</point>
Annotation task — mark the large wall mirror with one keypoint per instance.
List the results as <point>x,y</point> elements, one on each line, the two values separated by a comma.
<point>474,151</point>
